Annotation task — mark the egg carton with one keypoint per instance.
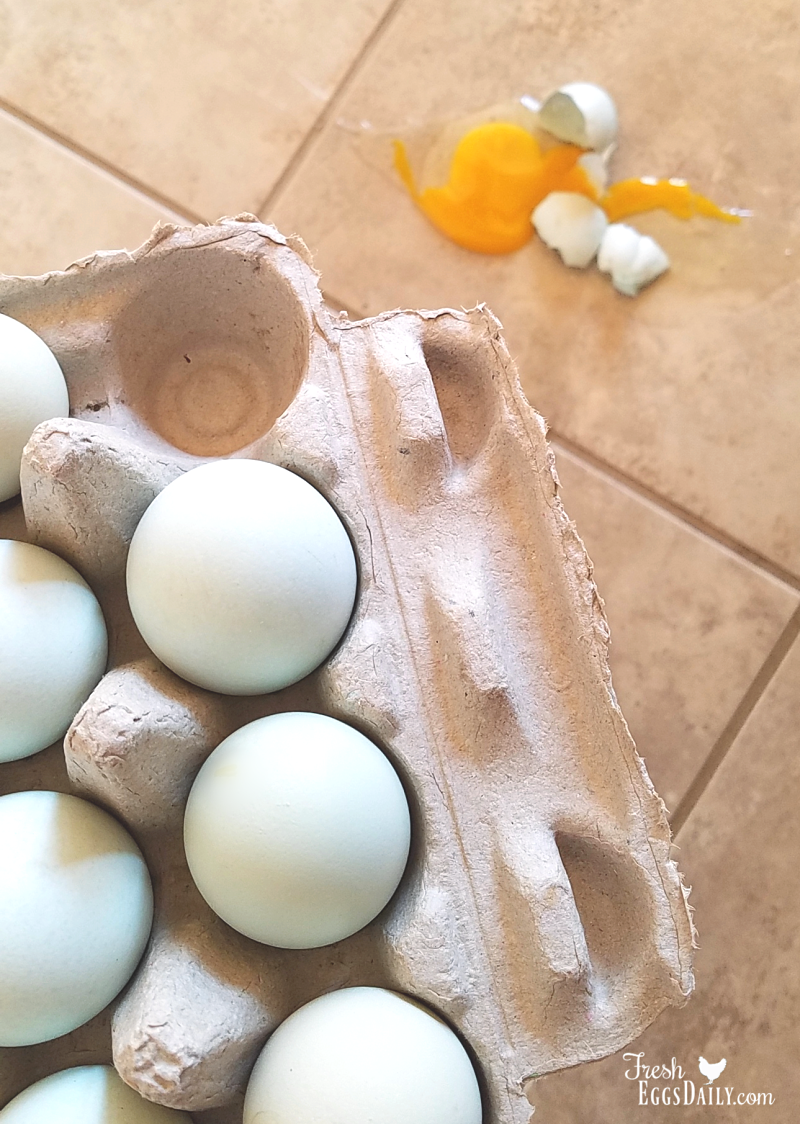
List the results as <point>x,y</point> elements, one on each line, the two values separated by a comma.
<point>541,913</point>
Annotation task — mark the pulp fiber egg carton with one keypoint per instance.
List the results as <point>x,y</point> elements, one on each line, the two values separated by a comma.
<point>541,913</point>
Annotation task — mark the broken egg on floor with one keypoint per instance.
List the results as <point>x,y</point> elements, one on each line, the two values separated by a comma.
<point>86,1094</point>
<point>362,1055</point>
<point>499,174</point>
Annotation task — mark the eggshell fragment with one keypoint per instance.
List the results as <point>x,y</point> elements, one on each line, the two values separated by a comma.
<point>632,259</point>
<point>53,647</point>
<point>581,113</point>
<point>32,389</point>
<point>297,830</point>
<point>571,224</point>
<point>87,1094</point>
<point>76,904</point>
<point>241,577</point>
<point>362,1055</point>
<point>595,165</point>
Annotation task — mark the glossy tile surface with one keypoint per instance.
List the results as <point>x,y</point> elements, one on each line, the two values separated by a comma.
<point>740,851</point>
<point>690,623</point>
<point>203,102</point>
<point>690,388</point>
<point>59,208</point>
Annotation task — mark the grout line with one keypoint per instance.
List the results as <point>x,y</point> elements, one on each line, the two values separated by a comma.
<point>641,491</point>
<point>752,695</point>
<point>329,108</point>
<point>339,305</point>
<point>682,514</point>
<point>149,193</point>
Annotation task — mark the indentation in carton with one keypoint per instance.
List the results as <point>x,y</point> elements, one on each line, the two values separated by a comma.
<point>608,887</point>
<point>207,370</point>
<point>554,995</point>
<point>461,367</point>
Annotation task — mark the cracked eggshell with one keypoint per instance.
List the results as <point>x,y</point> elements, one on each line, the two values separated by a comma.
<point>32,389</point>
<point>581,113</point>
<point>360,1055</point>
<point>241,577</point>
<point>53,647</point>
<point>77,906</point>
<point>86,1094</point>
<point>632,259</point>
<point>571,224</point>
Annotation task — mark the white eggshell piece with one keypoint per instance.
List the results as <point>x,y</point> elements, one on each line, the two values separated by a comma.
<point>632,259</point>
<point>76,907</point>
<point>571,224</point>
<point>363,1055</point>
<point>241,577</point>
<point>87,1094</point>
<point>581,113</point>
<point>53,647</point>
<point>595,165</point>
<point>297,830</point>
<point>32,390</point>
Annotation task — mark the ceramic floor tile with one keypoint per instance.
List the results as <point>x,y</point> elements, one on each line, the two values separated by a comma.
<point>203,102</point>
<point>691,388</point>
<point>740,851</point>
<point>690,622</point>
<point>59,208</point>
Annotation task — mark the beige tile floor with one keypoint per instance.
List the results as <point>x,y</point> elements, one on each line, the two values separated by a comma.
<point>676,418</point>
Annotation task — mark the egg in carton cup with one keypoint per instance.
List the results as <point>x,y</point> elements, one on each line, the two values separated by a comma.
<point>540,914</point>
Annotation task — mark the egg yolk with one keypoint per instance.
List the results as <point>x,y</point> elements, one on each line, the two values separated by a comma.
<point>634,196</point>
<point>499,175</point>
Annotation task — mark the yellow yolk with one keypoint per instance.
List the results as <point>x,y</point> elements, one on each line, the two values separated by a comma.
<point>499,174</point>
<point>634,196</point>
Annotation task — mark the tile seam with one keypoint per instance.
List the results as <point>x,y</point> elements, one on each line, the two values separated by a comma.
<point>330,107</point>
<point>17,113</point>
<point>752,696</point>
<point>683,515</point>
<point>680,514</point>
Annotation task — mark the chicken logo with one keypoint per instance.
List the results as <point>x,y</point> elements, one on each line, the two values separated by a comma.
<point>711,1070</point>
